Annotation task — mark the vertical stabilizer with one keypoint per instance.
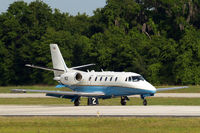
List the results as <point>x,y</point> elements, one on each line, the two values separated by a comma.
<point>57,59</point>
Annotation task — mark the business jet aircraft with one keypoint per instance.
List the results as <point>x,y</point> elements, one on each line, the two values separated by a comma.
<point>93,84</point>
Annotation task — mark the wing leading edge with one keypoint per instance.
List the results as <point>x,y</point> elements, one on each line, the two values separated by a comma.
<point>62,93</point>
<point>171,88</point>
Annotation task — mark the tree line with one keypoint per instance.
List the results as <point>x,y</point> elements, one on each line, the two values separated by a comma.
<point>159,39</point>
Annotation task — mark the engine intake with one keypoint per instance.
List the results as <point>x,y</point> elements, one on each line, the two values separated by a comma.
<point>78,77</point>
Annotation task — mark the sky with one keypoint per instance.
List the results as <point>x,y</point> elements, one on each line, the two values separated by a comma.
<point>70,6</point>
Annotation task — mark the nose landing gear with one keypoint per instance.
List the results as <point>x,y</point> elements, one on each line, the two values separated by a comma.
<point>144,100</point>
<point>124,99</point>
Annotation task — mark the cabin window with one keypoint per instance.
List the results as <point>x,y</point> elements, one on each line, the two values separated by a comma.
<point>129,79</point>
<point>106,79</point>
<point>115,79</point>
<point>100,78</point>
<point>90,78</point>
<point>96,79</point>
<point>110,78</point>
<point>126,79</point>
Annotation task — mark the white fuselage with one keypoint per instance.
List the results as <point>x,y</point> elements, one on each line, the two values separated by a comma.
<point>113,83</point>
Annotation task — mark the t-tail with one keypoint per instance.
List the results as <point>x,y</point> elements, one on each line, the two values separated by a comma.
<point>60,69</point>
<point>58,61</point>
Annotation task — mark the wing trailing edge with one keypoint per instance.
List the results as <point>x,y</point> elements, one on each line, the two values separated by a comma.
<point>65,93</point>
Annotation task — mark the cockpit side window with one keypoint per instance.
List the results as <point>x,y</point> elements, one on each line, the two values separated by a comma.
<point>134,78</point>
<point>137,78</point>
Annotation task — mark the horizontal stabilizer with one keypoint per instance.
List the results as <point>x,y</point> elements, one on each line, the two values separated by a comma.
<point>64,93</point>
<point>87,65</point>
<point>172,88</point>
<point>43,68</point>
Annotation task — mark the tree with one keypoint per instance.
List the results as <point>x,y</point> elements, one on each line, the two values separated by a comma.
<point>187,66</point>
<point>158,39</point>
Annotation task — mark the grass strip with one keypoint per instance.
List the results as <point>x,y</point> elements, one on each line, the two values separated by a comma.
<point>98,125</point>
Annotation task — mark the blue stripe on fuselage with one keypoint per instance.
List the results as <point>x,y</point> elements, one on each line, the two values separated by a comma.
<point>111,90</point>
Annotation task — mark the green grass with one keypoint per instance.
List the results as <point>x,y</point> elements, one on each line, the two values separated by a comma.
<point>98,125</point>
<point>113,101</point>
<point>191,89</point>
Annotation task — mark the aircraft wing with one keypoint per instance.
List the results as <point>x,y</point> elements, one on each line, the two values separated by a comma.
<point>66,94</point>
<point>171,88</point>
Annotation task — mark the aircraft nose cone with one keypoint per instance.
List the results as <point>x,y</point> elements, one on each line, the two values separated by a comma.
<point>150,88</point>
<point>153,89</point>
<point>146,86</point>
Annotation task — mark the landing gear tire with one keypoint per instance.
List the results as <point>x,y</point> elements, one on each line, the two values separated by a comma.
<point>123,101</point>
<point>145,102</point>
<point>77,102</point>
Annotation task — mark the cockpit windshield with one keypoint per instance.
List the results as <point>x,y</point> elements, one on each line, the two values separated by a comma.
<point>135,78</point>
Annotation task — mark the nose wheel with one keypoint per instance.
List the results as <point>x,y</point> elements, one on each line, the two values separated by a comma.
<point>145,102</point>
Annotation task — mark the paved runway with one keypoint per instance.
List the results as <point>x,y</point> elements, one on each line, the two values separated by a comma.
<point>42,95</point>
<point>126,111</point>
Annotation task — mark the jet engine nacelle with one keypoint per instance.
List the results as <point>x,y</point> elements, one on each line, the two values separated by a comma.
<point>71,78</point>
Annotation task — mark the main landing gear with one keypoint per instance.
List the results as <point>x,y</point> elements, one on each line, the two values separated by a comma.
<point>77,101</point>
<point>124,99</point>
